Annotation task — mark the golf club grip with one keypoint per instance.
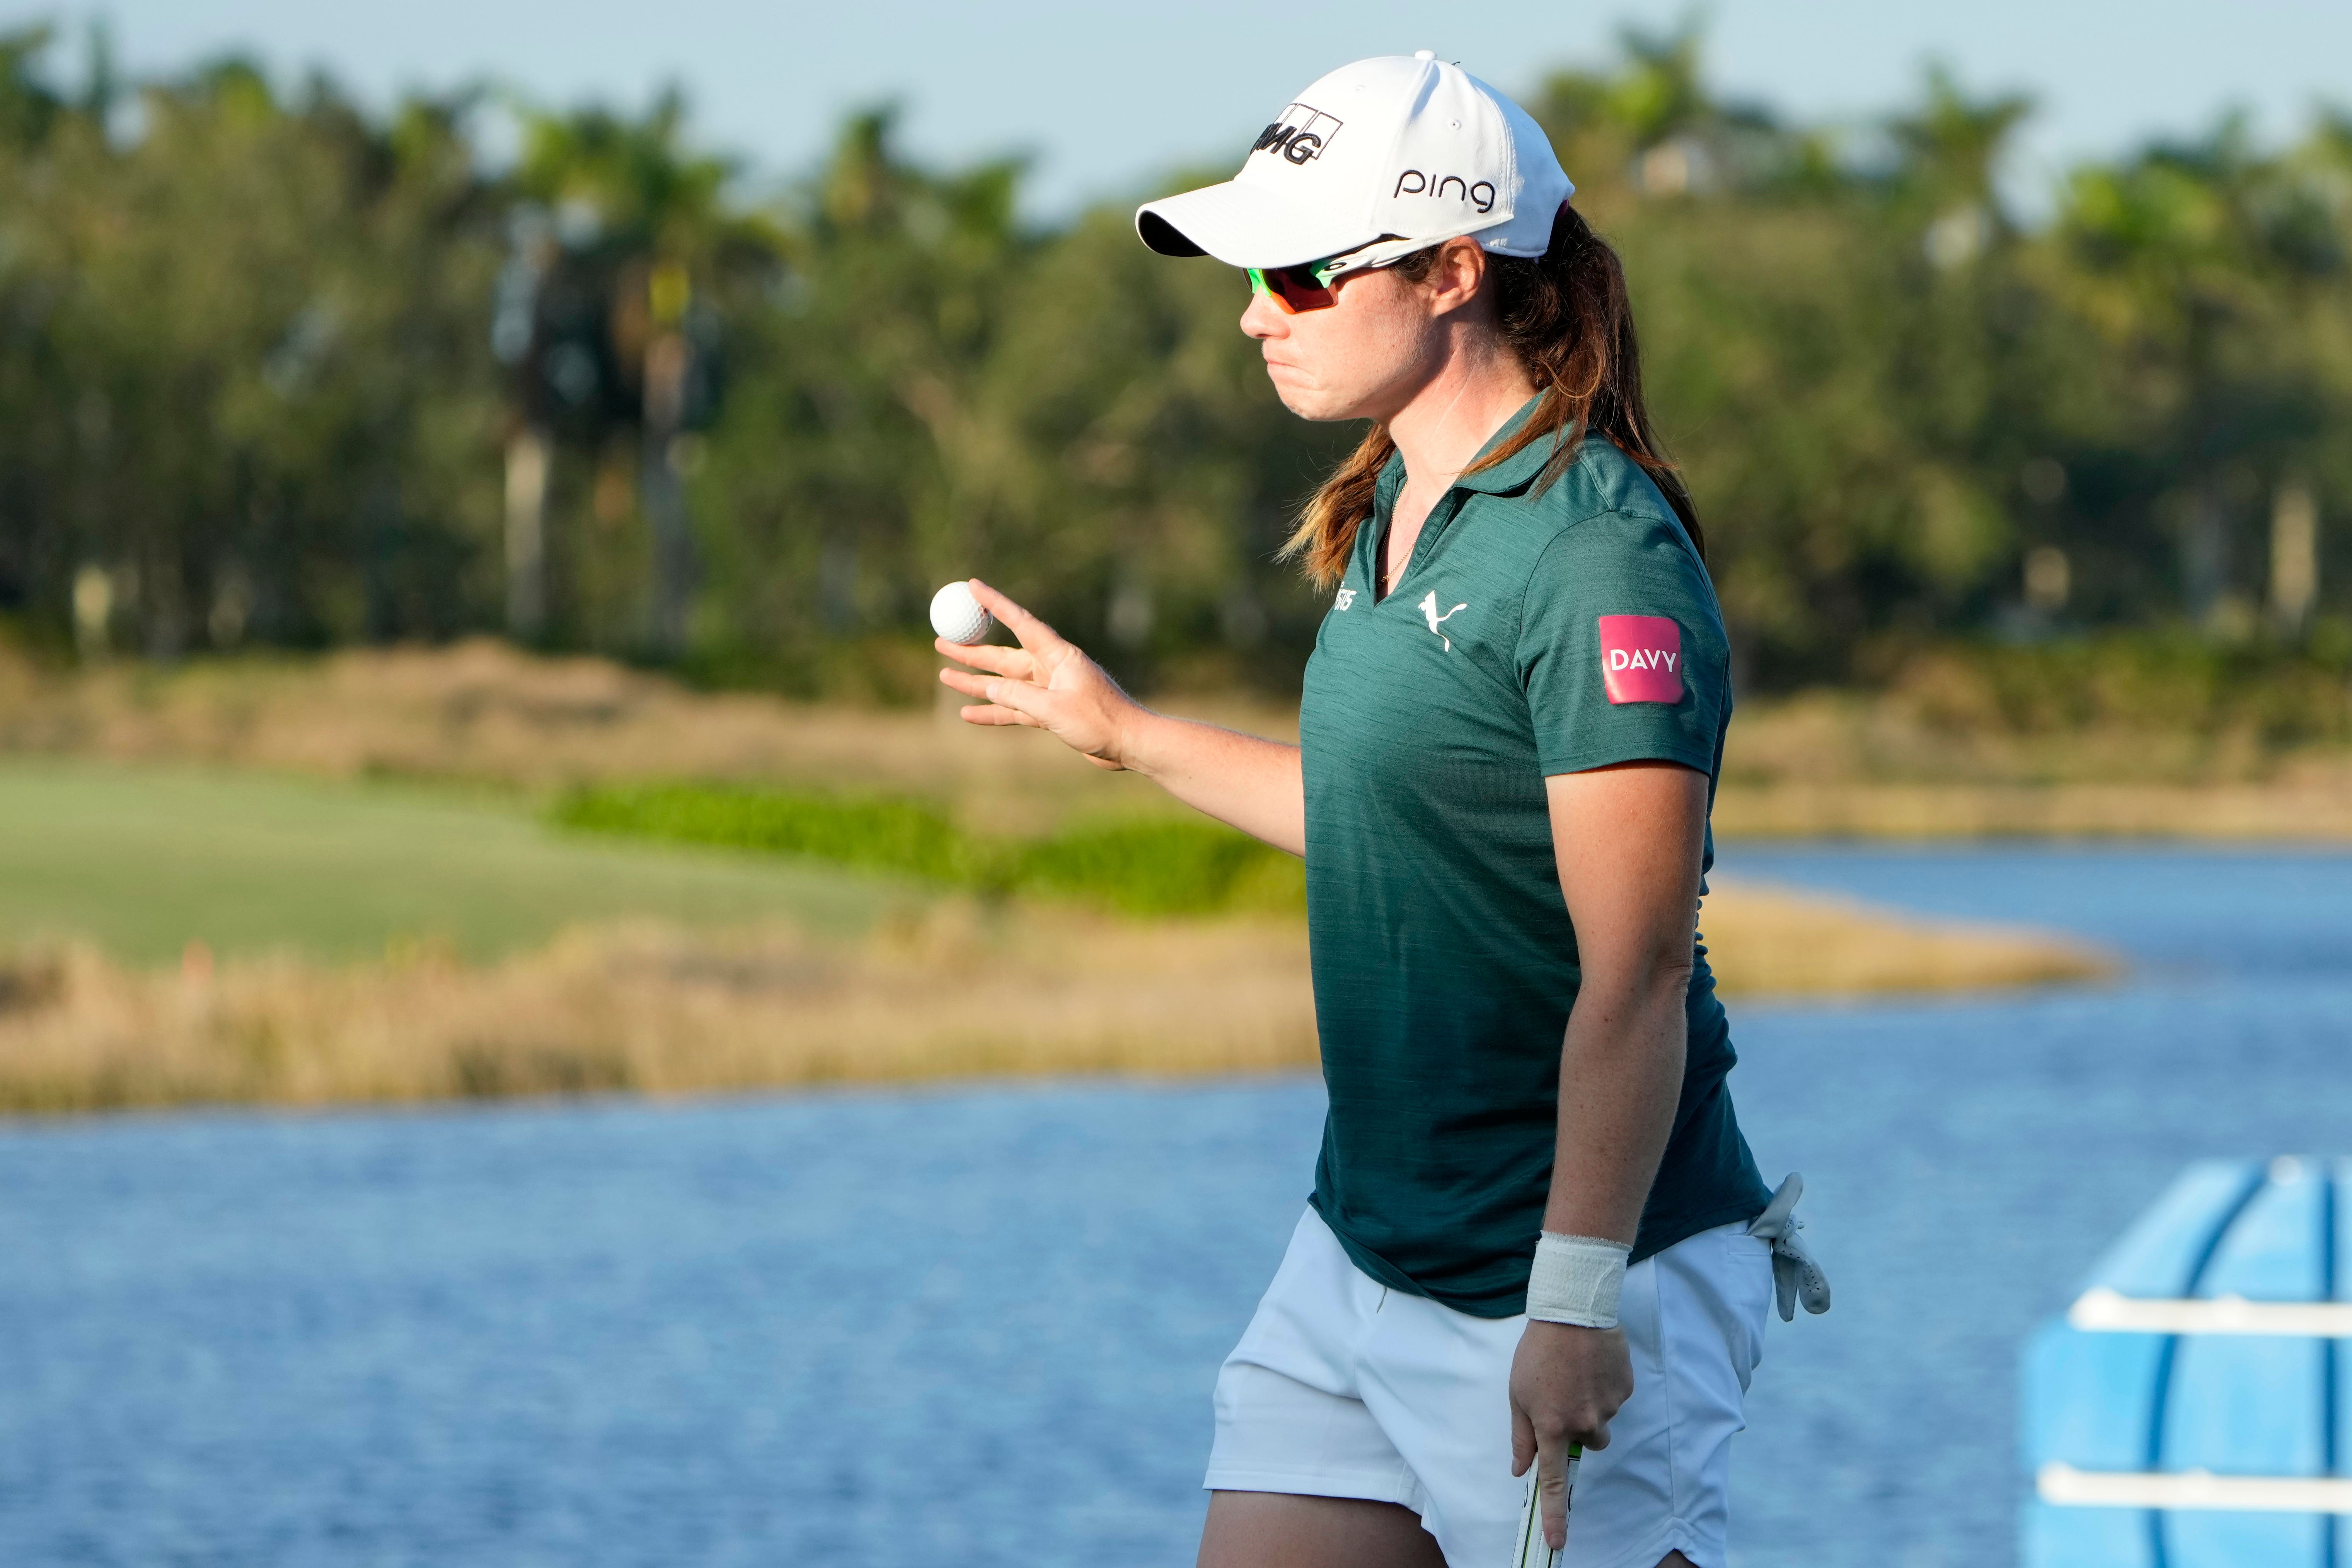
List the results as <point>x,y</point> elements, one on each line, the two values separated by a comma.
<point>1533,1551</point>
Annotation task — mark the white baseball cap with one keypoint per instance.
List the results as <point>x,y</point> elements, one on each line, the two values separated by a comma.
<point>1375,161</point>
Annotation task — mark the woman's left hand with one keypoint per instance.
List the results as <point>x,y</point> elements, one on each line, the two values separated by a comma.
<point>1047,683</point>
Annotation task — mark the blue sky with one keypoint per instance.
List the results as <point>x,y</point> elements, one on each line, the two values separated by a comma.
<point>1105,96</point>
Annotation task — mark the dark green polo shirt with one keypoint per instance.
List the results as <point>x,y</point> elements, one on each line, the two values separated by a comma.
<point>1531,634</point>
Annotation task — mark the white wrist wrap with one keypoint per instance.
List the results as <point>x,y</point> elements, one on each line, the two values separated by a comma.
<point>1576,1279</point>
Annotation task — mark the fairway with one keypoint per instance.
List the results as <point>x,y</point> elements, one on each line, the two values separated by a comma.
<point>141,860</point>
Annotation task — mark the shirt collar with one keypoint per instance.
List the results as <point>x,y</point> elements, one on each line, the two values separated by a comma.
<point>1520,467</point>
<point>1515,472</point>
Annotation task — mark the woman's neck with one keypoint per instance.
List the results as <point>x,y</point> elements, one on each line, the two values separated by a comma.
<point>1450,419</point>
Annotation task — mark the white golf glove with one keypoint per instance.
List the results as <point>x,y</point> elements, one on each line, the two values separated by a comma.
<point>1795,1275</point>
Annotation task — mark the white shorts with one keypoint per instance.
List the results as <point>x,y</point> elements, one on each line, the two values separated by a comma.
<point>1340,1387</point>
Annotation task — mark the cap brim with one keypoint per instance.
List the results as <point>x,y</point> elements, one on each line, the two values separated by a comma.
<point>1243,225</point>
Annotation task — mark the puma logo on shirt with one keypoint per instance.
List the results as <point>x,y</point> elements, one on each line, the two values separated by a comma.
<point>1429,612</point>
<point>1641,659</point>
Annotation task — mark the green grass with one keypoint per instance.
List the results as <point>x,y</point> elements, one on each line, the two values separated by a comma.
<point>141,860</point>
<point>1140,867</point>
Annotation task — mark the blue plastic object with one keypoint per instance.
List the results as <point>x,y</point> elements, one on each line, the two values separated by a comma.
<point>2202,1447</point>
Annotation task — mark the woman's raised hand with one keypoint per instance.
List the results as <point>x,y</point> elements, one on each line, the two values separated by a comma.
<point>1047,683</point>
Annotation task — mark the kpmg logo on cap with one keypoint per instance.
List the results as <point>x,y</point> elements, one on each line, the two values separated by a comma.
<point>1302,132</point>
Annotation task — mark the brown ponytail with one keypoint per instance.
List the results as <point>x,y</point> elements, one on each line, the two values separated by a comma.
<point>1567,318</point>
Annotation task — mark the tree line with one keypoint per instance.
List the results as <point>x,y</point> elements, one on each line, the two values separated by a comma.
<point>278,371</point>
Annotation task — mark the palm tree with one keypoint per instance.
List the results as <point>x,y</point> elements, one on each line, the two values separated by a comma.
<point>603,314</point>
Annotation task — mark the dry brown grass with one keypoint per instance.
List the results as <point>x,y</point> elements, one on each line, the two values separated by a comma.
<point>1830,764</point>
<point>956,992</point>
<point>962,990</point>
<point>1771,941</point>
<point>1824,764</point>
<point>482,710</point>
<point>2314,808</point>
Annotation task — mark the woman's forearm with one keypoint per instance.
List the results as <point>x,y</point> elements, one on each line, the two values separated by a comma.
<point>1621,1077</point>
<point>1254,784</point>
<point>1629,840</point>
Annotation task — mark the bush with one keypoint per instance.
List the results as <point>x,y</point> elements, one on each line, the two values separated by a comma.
<point>1142,868</point>
<point>1148,868</point>
<point>872,832</point>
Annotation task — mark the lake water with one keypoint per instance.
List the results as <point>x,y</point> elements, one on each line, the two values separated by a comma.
<point>979,1326</point>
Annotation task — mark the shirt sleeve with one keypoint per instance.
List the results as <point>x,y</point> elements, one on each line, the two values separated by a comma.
<point>1621,650</point>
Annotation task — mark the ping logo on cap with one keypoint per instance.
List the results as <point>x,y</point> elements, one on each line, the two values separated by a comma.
<point>1480,196</point>
<point>1301,132</point>
<point>1641,659</point>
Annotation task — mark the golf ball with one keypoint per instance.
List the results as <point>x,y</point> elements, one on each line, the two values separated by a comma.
<point>957,615</point>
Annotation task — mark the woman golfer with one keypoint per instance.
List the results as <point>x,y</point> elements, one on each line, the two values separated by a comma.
<point>1527,1228</point>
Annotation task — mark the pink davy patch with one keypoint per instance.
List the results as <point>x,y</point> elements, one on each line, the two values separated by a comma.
<point>1641,659</point>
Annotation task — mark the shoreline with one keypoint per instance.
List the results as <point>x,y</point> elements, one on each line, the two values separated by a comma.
<point>2220,813</point>
<point>963,990</point>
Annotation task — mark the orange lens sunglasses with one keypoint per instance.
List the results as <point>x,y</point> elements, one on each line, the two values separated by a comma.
<point>1307,287</point>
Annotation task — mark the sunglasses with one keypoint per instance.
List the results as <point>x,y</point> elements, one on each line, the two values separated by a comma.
<point>1306,286</point>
